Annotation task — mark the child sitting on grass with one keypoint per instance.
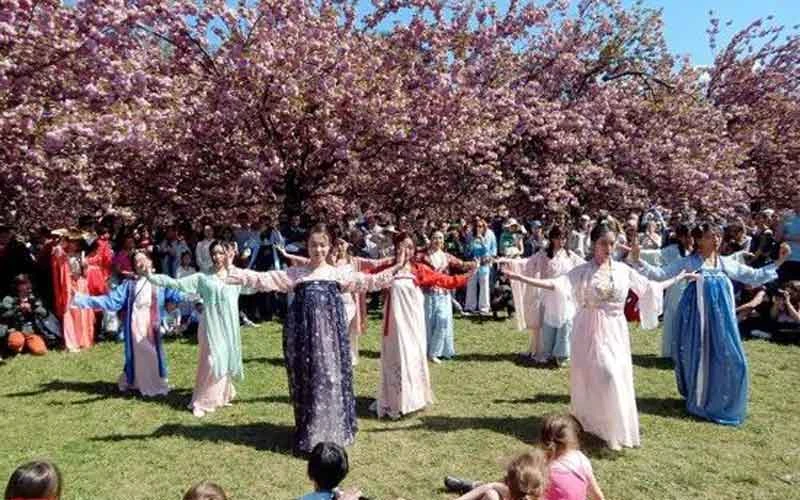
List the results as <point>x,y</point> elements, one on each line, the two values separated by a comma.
<point>571,475</point>
<point>526,479</point>
<point>327,468</point>
<point>35,481</point>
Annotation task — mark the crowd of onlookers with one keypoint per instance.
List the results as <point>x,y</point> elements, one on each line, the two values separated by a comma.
<point>101,250</point>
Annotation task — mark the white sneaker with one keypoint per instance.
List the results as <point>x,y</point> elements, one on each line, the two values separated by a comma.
<point>435,360</point>
<point>197,412</point>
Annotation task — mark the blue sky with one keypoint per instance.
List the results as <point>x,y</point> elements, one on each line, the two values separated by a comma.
<point>686,21</point>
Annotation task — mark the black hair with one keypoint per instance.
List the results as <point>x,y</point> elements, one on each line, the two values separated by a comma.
<point>600,230</point>
<point>555,232</point>
<point>328,465</point>
<point>34,480</point>
<point>706,227</point>
<point>682,230</point>
<point>320,228</point>
<point>214,244</point>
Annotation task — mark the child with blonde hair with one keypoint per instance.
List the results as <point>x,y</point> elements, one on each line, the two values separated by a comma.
<point>205,491</point>
<point>525,479</point>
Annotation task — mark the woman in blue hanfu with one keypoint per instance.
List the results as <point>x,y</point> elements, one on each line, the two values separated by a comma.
<point>144,307</point>
<point>710,364</point>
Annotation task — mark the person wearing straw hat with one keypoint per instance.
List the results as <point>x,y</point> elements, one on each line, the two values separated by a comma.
<point>69,278</point>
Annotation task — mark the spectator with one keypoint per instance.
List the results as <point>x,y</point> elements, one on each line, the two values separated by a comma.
<point>327,467</point>
<point>736,239</point>
<point>35,481</point>
<point>21,320</point>
<point>122,262</point>
<point>42,275</point>
<point>502,297</point>
<point>651,239</point>
<point>789,231</point>
<point>482,247</point>
<point>295,233</point>
<point>579,238</point>
<point>170,251</point>
<point>536,241</point>
<point>171,325</point>
<point>14,258</point>
<point>511,244</point>
<point>526,479</point>
<point>571,475</point>
<point>205,491</point>
<point>202,253</point>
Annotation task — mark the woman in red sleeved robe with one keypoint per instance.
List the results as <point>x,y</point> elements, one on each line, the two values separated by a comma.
<point>99,264</point>
<point>405,385</point>
<point>68,279</point>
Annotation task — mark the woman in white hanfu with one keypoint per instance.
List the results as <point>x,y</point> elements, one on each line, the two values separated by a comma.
<point>547,314</point>
<point>405,385</point>
<point>601,376</point>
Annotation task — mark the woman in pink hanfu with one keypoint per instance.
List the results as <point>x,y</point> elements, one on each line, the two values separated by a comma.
<point>601,376</point>
<point>405,385</point>
<point>69,278</point>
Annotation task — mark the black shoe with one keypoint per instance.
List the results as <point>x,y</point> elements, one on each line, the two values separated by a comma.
<point>460,486</point>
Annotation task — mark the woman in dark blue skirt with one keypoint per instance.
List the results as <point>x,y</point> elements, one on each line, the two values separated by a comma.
<point>316,344</point>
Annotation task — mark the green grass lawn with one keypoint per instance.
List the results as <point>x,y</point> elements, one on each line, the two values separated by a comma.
<point>65,407</point>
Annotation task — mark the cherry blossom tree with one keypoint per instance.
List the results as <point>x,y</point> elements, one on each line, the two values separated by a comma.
<point>181,107</point>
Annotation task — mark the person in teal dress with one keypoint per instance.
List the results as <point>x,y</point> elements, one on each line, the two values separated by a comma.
<point>220,356</point>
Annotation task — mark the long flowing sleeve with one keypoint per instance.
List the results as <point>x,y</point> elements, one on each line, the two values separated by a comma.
<point>113,301</point>
<point>427,277</point>
<point>188,284</point>
<point>521,293</point>
<point>651,297</point>
<point>370,265</point>
<point>746,274</point>
<point>663,273</point>
<point>355,282</point>
<point>269,281</point>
